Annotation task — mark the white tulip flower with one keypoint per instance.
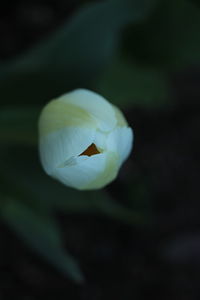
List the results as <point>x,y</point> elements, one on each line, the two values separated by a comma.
<point>83,140</point>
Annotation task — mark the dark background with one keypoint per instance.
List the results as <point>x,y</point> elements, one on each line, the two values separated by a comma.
<point>158,254</point>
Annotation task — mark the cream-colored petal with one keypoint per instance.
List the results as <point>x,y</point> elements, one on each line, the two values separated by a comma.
<point>120,140</point>
<point>101,110</point>
<point>57,115</point>
<point>59,146</point>
<point>121,121</point>
<point>89,173</point>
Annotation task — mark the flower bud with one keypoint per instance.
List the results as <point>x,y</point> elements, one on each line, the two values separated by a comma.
<point>83,140</point>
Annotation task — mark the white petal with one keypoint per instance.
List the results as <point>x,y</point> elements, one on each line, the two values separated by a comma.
<point>96,105</point>
<point>100,140</point>
<point>59,146</point>
<point>92,173</point>
<point>120,140</point>
<point>73,161</point>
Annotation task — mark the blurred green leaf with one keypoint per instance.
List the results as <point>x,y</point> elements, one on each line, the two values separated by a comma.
<point>74,55</point>
<point>19,125</point>
<point>139,197</point>
<point>129,84</point>
<point>186,38</point>
<point>169,38</point>
<point>41,234</point>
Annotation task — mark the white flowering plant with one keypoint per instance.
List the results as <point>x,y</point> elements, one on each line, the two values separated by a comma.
<point>83,140</point>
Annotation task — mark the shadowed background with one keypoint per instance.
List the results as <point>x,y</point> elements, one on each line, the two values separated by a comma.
<point>139,236</point>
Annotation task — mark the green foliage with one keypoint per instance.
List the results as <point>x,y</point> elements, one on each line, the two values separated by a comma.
<point>74,55</point>
<point>166,41</point>
<point>169,39</point>
<point>42,234</point>
<point>19,125</point>
<point>128,83</point>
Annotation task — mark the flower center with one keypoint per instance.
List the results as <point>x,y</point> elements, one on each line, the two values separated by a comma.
<point>91,150</point>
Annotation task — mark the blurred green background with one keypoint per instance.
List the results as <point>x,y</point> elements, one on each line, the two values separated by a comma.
<point>141,234</point>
